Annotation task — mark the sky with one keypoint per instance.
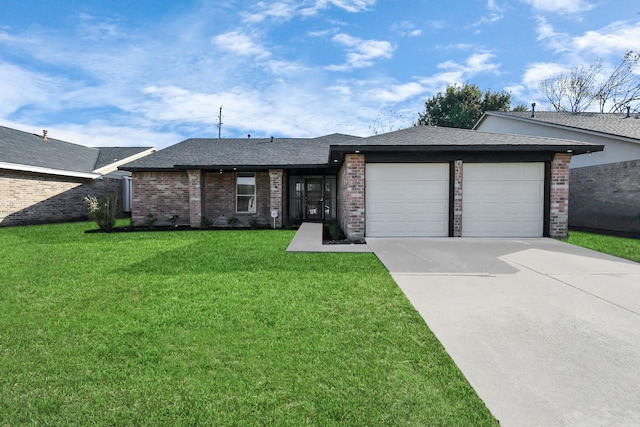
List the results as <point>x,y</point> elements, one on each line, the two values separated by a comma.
<point>155,72</point>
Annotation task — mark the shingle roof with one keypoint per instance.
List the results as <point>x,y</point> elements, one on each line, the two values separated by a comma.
<point>109,155</point>
<point>283,152</point>
<point>28,149</point>
<point>606,123</point>
<point>442,138</point>
<point>208,152</point>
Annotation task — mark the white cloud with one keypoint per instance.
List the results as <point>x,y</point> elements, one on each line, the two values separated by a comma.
<point>348,5</point>
<point>406,29</point>
<point>241,44</point>
<point>616,37</point>
<point>278,11</point>
<point>396,93</point>
<point>288,9</point>
<point>539,71</point>
<point>476,63</point>
<point>360,53</point>
<point>560,6</point>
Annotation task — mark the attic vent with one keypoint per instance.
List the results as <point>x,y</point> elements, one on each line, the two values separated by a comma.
<point>44,135</point>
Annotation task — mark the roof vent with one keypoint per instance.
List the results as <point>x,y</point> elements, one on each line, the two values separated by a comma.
<point>533,109</point>
<point>249,136</point>
<point>271,139</point>
<point>628,112</point>
<point>44,135</point>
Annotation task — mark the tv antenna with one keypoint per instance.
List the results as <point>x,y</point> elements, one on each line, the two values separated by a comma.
<point>220,123</point>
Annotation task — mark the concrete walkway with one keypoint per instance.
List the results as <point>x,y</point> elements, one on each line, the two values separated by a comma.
<point>548,334</point>
<point>308,238</point>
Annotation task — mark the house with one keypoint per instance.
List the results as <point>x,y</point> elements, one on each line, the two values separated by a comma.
<point>605,186</point>
<point>44,179</point>
<point>420,181</point>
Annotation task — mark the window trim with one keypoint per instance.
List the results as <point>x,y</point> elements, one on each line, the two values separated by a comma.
<point>254,195</point>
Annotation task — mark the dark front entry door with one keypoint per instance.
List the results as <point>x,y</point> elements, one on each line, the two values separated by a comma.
<point>313,199</point>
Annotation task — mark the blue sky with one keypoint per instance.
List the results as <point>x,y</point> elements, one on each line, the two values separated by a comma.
<point>152,73</point>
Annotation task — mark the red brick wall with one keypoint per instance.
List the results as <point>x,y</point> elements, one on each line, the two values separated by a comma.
<point>29,198</point>
<point>162,194</point>
<point>351,207</point>
<point>457,198</point>
<point>220,199</point>
<point>559,215</point>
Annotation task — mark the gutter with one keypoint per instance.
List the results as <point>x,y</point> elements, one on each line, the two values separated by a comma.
<point>48,171</point>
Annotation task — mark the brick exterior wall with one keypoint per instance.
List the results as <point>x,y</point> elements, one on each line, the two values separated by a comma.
<point>559,215</point>
<point>29,198</point>
<point>351,207</point>
<point>196,185</point>
<point>220,200</point>
<point>162,194</point>
<point>276,188</point>
<point>606,197</point>
<point>457,198</point>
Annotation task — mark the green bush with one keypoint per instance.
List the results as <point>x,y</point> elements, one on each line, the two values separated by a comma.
<point>103,213</point>
<point>334,229</point>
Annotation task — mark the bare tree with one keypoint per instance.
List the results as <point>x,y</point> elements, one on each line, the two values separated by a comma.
<point>573,91</point>
<point>622,87</point>
<point>578,89</point>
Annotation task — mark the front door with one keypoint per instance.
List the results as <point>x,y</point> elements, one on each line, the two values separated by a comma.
<point>313,199</point>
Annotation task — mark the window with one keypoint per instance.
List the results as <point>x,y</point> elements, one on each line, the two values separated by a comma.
<point>246,192</point>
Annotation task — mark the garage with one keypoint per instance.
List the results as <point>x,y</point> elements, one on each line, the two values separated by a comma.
<point>503,199</point>
<point>407,199</point>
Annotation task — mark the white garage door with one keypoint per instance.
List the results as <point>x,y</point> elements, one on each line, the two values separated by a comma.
<point>502,199</point>
<point>407,199</point>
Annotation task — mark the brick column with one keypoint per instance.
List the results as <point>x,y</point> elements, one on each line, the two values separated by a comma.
<point>457,198</point>
<point>559,215</point>
<point>276,196</point>
<point>195,197</point>
<point>351,196</point>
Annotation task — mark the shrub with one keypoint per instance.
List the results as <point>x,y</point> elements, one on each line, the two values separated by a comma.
<point>233,221</point>
<point>205,222</point>
<point>103,213</point>
<point>334,229</point>
<point>150,221</point>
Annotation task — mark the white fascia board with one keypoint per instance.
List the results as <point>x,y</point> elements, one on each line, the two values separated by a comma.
<point>48,171</point>
<point>114,166</point>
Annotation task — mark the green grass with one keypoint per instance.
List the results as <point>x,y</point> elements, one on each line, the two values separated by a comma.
<point>212,328</point>
<point>619,246</point>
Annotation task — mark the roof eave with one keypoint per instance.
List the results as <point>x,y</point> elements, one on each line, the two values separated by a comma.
<point>115,165</point>
<point>48,171</point>
<point>560,148</point>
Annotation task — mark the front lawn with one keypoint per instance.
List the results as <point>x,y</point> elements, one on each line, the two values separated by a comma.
<point>212,328</point>
<point>619,246</point>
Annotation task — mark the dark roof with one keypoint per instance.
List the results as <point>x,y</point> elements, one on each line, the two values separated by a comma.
<point>234,152</point>
<point>442,138</point>
<point>29,149</point>
<point>109,155</point>
<point>605,123</point>
<point>305,152</point>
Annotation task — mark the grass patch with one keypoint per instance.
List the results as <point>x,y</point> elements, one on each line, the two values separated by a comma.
<point>623,247</point>
<point>212,328</point>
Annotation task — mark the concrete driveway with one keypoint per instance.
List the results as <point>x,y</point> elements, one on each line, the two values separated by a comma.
<point>548,334</point>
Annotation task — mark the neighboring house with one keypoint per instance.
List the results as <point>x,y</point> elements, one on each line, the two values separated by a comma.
<point>605,186</point>
<point>420,181</point>
<point>44,179</point>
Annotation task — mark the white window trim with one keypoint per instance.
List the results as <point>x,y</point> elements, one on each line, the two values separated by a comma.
<point>252,198</point>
